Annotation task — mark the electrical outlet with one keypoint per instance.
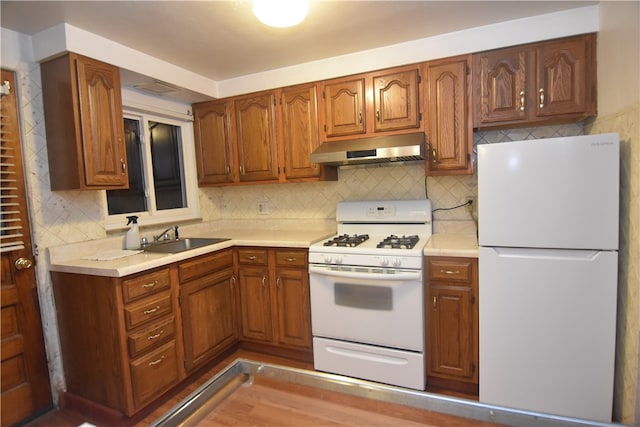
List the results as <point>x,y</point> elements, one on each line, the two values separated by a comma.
<point>471,207</point>
<point>264,207</point>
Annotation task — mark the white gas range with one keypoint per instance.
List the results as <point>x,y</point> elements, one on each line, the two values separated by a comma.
<point>367,293</point>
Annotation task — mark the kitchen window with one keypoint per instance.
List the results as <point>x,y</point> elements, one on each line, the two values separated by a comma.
<point>162,181</point>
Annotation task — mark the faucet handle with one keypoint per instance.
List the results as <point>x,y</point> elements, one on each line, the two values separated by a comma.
<point>176,236</point>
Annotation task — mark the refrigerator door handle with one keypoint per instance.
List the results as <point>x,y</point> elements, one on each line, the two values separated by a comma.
<point>555,254</point>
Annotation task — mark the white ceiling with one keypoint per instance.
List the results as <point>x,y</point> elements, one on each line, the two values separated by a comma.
<point>221,39</point>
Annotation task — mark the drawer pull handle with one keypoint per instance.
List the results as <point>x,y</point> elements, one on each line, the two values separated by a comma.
<point>150,285</point>
<point>264,281</point>
<point>450,271</point>
<point>252,258</point>
<point>154,336</point>
<point>292,259</point>
<point>278,281</point>
<point>522,100</point>
<point>152,310</point>
<point>155,362</point>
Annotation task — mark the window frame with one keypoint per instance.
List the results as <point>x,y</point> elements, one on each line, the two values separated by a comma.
<point>153,216</point>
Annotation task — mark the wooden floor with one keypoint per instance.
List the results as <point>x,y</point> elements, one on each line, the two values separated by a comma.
<point>269,402</point>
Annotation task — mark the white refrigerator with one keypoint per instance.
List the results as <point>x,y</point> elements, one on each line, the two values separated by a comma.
<point>548,262</point>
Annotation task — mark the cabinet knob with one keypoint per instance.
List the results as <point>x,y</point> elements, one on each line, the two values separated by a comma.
<point>123,166</point>
<point>264,281</point>
<point>434,157</point>
<point>378,115</point>
<point>23,264</point>
<point>435,302</point>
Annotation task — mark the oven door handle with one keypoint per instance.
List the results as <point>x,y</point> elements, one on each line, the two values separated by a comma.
<point>398,275</point>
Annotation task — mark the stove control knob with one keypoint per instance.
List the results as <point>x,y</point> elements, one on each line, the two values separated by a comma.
<point>397,262</point>
<point>339,259</point>
<point>328,259</point>
<point>384,262</point>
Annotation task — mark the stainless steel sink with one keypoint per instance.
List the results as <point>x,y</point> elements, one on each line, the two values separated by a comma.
<point>181,245</point>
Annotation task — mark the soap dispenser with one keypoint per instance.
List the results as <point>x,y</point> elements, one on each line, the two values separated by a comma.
<point>132,239</point>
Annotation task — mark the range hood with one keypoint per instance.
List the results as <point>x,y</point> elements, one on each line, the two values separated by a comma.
<point>381,149</point>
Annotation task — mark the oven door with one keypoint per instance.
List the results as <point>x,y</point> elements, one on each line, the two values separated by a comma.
<point>379,306</point>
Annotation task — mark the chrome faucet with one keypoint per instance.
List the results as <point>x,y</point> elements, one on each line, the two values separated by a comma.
<point>164,235</point>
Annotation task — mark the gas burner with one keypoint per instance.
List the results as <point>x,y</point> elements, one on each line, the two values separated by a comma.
<point>395,242</point>
<point>346,240</point>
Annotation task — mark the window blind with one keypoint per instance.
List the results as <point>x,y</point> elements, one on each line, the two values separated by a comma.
<point>12,205</point>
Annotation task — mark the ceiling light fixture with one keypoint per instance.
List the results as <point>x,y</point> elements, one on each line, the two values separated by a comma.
<point>280,13</point>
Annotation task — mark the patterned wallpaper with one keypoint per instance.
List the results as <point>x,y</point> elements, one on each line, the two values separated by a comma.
<point>73,216</point>
<point>627,124</point>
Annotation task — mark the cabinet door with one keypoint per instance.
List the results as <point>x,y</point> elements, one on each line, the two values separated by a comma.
<point>299,131</point>
<point>565,81</point>
<point>344,103</point>
<point>294,313</point>
<point>450,332</point>
<point>208,316</point>
<point>449,131</point>
<point>212,134</point>
<point>501,79</point>
<point>255,303</point>
<point>102,126</point>
<point>256,137</point>
<point>395,101</point>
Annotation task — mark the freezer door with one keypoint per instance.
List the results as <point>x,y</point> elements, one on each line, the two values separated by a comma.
<point>547,330</point>
<point>550,193</point>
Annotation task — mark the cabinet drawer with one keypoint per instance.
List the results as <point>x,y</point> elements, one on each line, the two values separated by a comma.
<point>147,310</point>
<point>151,337</point>
<point>153,374</point>
<point>146,284</point>
<point>293,258</point>
<point>205,264</point>
<point>459,270</point>
<point>252,256</point>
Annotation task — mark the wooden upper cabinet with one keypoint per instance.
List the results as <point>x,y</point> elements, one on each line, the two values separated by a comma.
<point>344,102</point>
<point>565,76</point>
<point>448,106</point>
<point>501,78</point>
<point>84,124</point>
<point>299,131</point>
<point>550,82</point>
<point>256,137</point>
<point>213,142</point>
<point>395,100</point>
<point>372,103</point>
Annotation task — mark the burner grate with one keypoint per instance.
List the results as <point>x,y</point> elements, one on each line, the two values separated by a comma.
<point>396,242</point>
<point>346,240</point>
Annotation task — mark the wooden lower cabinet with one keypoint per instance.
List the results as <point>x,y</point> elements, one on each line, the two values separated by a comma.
<point>116,335</point>
<point>452,322</point>
<point>126,341</point>
<point>208,305</point>
<point>274,297</point>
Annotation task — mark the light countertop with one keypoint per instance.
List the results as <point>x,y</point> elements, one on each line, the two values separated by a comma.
<point>69,258</point>
<point>452,244</point>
